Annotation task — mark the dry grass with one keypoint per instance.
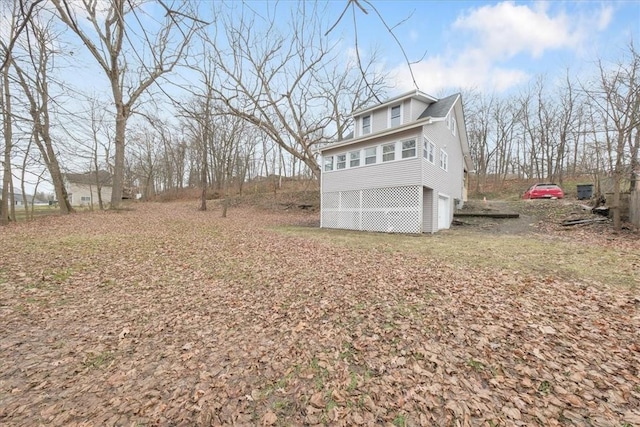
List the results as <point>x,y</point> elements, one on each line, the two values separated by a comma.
<point>534,254</point>
<point>163,315</point>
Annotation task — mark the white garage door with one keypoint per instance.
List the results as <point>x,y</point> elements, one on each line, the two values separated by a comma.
<point>444,215</point>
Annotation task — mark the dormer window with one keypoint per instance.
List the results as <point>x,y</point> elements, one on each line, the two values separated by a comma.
<point>394,117</point>
<point>366,125</point>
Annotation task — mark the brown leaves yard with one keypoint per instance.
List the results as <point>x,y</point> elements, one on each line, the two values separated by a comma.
<point>164,315</point>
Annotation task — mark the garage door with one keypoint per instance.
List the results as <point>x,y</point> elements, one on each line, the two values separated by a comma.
<point>444,214</point>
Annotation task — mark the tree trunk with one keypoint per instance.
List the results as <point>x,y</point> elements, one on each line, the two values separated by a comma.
<point>8,136</point>
<point>118,170</point>
<point>51,161</point>
<point>204,173</point>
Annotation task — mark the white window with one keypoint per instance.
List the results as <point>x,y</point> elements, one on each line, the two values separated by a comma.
<point>354,159</point>
<point>341,161</point>
<point>370,155</point>
<point>453,125</point>
<point>447,120</point>
<point>366,125</point>
<point>85,199</point>
<point>328,163</point>
<point>394,119</point>
<point>429,150</point>
<point>408,149</point>
<point>444,160</point>
<point>388,152</point>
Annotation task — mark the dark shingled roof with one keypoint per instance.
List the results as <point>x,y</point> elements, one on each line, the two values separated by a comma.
<point>440,108</point>
<point>89,178</point>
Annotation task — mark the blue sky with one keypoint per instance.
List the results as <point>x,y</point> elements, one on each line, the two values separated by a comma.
<point>492,47</point>
<point>497,46</point>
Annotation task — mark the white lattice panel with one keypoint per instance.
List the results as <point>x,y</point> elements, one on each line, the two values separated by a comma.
<point>391,210</point>
<point>331,200</point>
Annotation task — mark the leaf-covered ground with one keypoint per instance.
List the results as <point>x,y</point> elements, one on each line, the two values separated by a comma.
<point>164,315</point>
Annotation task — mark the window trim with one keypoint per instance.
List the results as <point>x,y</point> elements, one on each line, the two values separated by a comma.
<point>374,156</point>
<point>368,116</point>
<point>352,159</point>
<point>444,160</point>
<point>330,166</point>
<point>430,150</point>
<point>415,148</point>
<point>391,107</point>
<point>339,162</point>
<point>393,153</point>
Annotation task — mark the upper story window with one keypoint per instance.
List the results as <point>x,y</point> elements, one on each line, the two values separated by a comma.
<point>370,155</point>
<point>394,116</point>
<point>388,152</point>
<point>328,163</point>
<point>444,160</point>
<point>429,150</point>
<point>354,159</point>
<point>366,125</point>
<point>450,120</point>
<point>408,149</point>
<point>341,161</point>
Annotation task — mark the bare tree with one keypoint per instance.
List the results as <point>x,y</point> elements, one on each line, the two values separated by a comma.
<point>6,205</point>
<point>112,28</point>
<point>278,80</point>
<point>35,87</point>
<point>617,98</point>
<point>20,17</point>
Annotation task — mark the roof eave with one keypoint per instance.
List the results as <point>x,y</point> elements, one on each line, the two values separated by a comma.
<point>413,94</point>
<point>408,126</point>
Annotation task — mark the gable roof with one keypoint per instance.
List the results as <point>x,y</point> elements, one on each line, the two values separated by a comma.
<point>413,94</point>
<point>440,108</point>
<point>89,178</point>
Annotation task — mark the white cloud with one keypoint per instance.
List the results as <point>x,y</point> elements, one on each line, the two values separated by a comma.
<point>604,18</point>
<point>506,29</point>
<point>487,44</point>
<point>435,75</point>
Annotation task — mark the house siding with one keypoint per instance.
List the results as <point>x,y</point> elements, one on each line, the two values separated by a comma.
<point>416,108</point>
<point>406,112</point>
<point>78,191</point>
<point>388,174</point>
<point>428,211</point>
<point>379,120</point>
<point>448,183</point>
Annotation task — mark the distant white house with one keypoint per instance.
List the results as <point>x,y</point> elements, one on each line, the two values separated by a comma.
<point>404,169</point>
<point>83,188</point>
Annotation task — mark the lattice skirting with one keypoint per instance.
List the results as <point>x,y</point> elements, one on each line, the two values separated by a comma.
<point>390,210</point>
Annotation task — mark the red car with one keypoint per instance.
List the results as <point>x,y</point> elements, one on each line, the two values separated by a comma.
<point>544,191</point>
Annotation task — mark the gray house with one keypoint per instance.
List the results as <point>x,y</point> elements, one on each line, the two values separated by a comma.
<point>404,170</point>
